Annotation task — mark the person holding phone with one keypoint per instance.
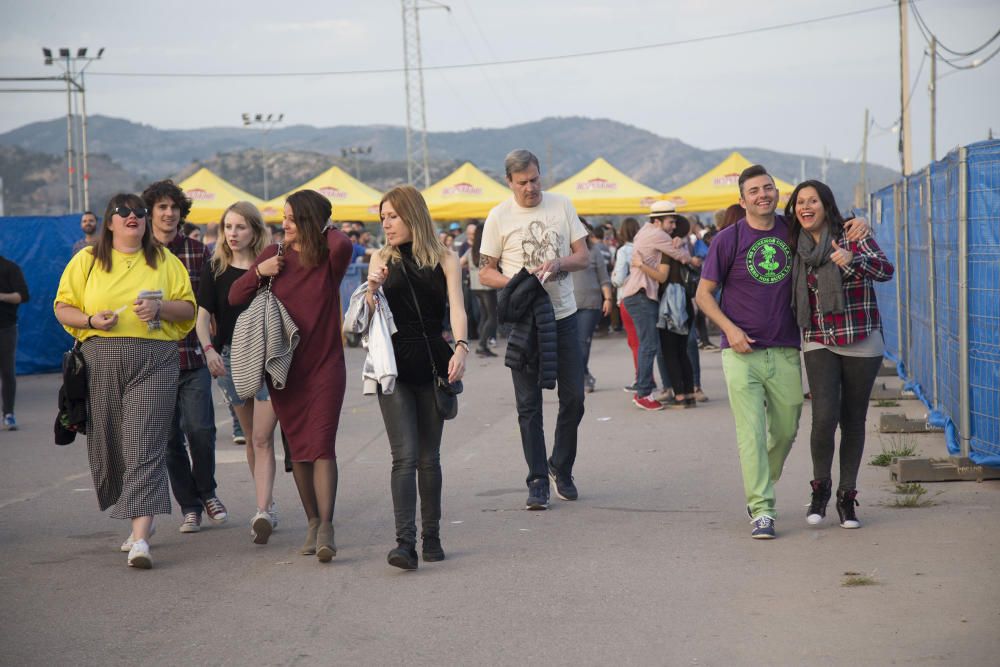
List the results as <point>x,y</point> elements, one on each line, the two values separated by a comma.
<point>132,367</point>
<point>419,278</point>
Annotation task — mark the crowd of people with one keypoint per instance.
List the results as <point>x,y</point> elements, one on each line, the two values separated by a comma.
<point>156,304</point>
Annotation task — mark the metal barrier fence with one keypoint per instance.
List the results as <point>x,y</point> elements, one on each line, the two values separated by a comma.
<point>941,316</point>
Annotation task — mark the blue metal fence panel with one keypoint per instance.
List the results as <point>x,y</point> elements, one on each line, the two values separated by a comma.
<point>984,301</point>
<point>918,312</point>
<point>884,229</point>
<point>944,216</point>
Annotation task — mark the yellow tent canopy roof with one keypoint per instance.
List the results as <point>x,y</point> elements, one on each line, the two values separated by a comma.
<point>600,189</point>
<point>465,193</point>
<point>718,188</point>
<point>351,199</point>
<point>211,195</point>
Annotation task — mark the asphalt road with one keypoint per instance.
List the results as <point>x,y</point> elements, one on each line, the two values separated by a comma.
<point>653,565</point>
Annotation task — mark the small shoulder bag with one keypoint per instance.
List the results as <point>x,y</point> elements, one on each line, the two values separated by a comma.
<point>445,393</point>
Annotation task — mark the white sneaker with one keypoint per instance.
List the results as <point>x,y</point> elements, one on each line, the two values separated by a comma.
<point>138,555</point>
<point>261,527</point>
<point>127,544</point>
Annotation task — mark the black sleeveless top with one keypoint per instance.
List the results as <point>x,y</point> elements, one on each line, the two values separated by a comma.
<point>412,364</point>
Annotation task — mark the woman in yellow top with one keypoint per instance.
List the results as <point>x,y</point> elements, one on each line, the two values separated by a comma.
<point>129,344</point>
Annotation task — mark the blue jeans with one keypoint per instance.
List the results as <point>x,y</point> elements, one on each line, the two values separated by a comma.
<point>644,312</point>
<point>586,322</point>
<point>192,478</point>
<point>528,396</point>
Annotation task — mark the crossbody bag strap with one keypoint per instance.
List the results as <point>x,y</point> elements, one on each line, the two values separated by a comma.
<point>416,304</point>
<point>86,282</point>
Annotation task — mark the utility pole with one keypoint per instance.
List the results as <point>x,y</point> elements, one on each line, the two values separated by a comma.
<point>417,168</point>
<point>904,88</point>
<point>266,123</point>
<point>933,92</point>
<point>64,53</point>
<point>823,165</point>
<point>861,189</point>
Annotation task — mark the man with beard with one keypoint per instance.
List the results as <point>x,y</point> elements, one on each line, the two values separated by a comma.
<point>88,225</point>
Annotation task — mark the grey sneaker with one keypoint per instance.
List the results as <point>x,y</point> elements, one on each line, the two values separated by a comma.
<point>9,423</point>
<point>538,495</point>
<point>192,523</point>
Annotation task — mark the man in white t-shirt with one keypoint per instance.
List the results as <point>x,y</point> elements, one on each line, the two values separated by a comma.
<point>541,232</point>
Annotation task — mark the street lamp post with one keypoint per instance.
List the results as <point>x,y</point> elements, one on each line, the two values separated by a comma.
<point>356,151</point>
<point>266,122</point>
<point>73,75</point>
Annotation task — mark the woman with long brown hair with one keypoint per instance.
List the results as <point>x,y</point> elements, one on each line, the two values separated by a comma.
<point>243,239</point>
<point>128,300</point>
<point>306,279</point>
<point>419,278</point>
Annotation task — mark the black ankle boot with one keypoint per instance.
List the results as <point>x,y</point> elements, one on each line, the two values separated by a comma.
<point>431,549</point>
<point>404,556</point>
<point>820,497</point>
<point>846,502</point>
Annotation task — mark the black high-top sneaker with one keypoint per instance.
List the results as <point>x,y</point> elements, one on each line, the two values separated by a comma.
<point>846,502</point>
<point>820,497</point>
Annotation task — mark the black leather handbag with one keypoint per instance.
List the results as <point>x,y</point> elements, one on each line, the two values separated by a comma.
<point>72,416</point>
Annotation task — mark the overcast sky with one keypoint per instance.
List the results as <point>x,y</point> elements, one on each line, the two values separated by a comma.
<point>800,89</point>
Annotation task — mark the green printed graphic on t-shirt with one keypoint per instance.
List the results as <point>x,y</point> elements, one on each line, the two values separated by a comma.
<point>769,260</point>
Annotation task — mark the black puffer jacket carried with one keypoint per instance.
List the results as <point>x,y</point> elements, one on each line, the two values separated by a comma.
<point>531,346</point>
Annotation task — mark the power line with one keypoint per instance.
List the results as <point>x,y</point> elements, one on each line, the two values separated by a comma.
<point>929,34</point>
<point>514,61</point>
<point>974,64</point>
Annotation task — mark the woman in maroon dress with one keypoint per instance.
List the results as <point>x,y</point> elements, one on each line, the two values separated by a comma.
<point>306,279</point>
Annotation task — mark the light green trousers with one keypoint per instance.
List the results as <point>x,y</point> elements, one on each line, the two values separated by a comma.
<point>765,394</point>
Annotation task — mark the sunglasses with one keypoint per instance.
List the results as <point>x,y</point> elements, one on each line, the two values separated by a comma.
<point>125,211</point>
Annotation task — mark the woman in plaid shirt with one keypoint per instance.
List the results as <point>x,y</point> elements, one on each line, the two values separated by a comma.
<point>835,305</point>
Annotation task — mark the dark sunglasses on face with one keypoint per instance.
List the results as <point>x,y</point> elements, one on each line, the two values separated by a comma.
<point>125,211</point>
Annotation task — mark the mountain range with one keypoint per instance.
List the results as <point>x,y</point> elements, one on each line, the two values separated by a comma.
<point>124,155</point>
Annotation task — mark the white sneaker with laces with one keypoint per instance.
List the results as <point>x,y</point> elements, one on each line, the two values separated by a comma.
<point>192,523</point>
<point>261,527</point>
<point>127,544</point>
<point>138,556</point>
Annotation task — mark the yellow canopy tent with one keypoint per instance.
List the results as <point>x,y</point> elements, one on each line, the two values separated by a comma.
<point>351,199</point>
<point>718,188</point>
<point>465,193</point>
<point>211,195</point>
<point>600,189</point>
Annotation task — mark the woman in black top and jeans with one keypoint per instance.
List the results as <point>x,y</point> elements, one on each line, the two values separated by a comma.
<point>414,262</point>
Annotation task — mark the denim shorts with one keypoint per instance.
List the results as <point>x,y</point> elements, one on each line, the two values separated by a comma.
<point>229,389</point>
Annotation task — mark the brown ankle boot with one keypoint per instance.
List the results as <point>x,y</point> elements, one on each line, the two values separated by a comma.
<point>309,548</point>
<point>325,548</point>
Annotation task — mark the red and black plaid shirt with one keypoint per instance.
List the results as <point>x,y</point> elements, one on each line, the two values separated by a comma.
<point>860,316</point>
<point>193,256</point>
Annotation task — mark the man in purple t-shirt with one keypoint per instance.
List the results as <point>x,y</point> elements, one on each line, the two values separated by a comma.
<point>752,261</point>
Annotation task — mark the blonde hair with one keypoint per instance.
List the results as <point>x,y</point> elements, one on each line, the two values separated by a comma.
<point>409,204</point>
<point>222,258</point>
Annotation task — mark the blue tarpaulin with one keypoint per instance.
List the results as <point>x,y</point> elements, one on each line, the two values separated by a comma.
<point>41,246</point>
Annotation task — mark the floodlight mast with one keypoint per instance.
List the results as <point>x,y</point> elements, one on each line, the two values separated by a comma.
<point>417,169</point>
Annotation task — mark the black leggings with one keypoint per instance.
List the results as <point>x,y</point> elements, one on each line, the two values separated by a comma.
<point>841,387</point>
<point>8,377</point>
<point>487,316</point>
<point>414,429</point>
<point>675,356</point>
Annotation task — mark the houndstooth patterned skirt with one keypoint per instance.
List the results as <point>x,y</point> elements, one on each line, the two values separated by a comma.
<point>132,392</point>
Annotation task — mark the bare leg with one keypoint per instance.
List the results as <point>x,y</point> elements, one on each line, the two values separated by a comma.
<point>261,437</point>
<point>141,526</point>
<point>244,413</point>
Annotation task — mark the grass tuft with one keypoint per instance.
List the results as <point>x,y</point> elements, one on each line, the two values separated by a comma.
<point>910,495</point>
<point>886,403</point>
<point>852,579</point>
<point>899,446</point>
